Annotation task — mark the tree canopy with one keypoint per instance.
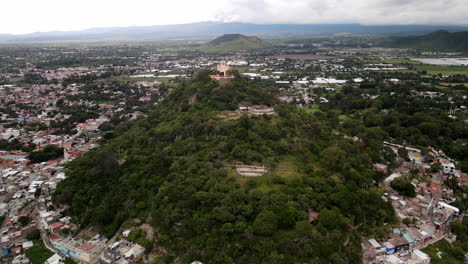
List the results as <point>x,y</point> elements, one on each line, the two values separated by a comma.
<point>168,169</point>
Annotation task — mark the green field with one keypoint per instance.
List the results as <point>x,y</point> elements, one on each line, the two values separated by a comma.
<point>401,61</point>
<point>430,69</point>
<point>38,254</point>
<point>400,71</point>
<point>444,70</point>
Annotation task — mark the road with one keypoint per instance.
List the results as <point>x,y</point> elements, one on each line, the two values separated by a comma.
<point>436,238</point>
<point>44,236</point>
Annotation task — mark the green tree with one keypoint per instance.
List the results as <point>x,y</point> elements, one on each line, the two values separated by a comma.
<point>333,158</point>
<point>265,223</point>
<point>331,219</point>
<point>403,187</point>
<point>34,235</point>
<point>403,153</point>
<point>24,220</point>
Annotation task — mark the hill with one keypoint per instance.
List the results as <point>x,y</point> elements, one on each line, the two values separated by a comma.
<point>212,29</point>
<point>169,171</point>
<point>440,40</point>
<point>233,43</point>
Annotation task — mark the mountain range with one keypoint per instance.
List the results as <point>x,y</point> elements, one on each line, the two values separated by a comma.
<point>201,30</point>
<point>440,40</point>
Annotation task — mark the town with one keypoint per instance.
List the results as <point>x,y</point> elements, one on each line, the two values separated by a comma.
<point>59,102</point>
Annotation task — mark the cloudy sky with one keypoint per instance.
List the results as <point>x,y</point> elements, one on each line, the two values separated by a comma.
<point>25,16</point>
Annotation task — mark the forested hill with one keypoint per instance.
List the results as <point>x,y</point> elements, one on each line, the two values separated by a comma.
<point>232,37</point>
<point>233,42</point>
<point>168,170</point>
<point>440,40</point>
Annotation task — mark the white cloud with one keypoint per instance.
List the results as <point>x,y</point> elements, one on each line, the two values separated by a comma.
<point>24,16</point>
<point>347,11</point>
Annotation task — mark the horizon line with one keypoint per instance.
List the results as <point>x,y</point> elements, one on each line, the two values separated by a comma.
<point>225,22</point>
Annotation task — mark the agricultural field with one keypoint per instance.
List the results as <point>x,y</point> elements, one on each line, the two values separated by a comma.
<point>414,66</point>
<point>444,70</point>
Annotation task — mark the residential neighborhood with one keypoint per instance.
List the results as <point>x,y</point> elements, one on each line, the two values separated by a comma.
<point>55,111</point>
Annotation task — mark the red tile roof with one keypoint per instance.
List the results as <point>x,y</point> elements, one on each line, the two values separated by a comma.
<point>56,225</point>
<point>87,247</point>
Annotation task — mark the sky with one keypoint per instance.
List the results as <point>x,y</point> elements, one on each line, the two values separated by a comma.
<point>26,16</point>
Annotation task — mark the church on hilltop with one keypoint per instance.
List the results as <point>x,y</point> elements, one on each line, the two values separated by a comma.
<point>222,69</point>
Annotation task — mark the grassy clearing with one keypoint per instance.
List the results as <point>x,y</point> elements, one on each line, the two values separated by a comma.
<point>343,117</point>
<point>229,115</point>
<point>288,163</point>
<point>312,109</point>
<point>38,254</point>
<point>270,180</point>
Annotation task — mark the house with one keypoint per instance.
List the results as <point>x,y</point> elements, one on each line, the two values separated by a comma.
<point>20,259</point>
<point>55,227</point>
<point>126,232</point>
<point>313,215</point>
<point>380,167</point>
<point>55,259</point>
<point>392,259</point>
<point>420,257</point>
<point>136,252</point>
<point>444,214</point>
<point>375,244</point>
<point>27,244</point>
<point>447,166</point>
<point>396,244</point>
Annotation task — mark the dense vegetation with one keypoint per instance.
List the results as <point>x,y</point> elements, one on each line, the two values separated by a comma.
<point>14,144</point>
<point>168,169</point>
<point>403,187</point>
<point>38,254</point>
<point>47,153</point>
<point>399,114</point>
<point>451,253</point>
<point>440,40</point>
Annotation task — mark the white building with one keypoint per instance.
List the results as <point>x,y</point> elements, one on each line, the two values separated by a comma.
<point>448,167</point>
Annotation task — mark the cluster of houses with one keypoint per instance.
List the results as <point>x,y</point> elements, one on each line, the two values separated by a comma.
<point>427,216</point>
<point>122,252</point>
<point>26,189</point>
<point>78,249</point>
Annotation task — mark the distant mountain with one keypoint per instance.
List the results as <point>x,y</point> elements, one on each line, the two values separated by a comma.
<point>226,38</point>
<point>212,29</point>
<point>233,42</point>
<point>440,40</point>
